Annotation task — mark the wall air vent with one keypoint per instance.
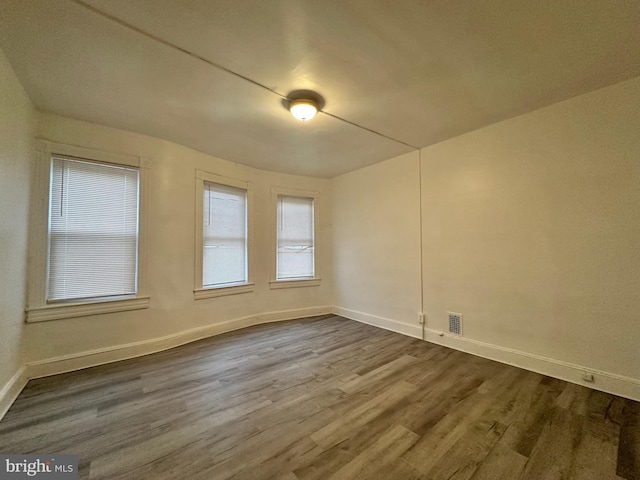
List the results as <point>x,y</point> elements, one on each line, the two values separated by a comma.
<point>455,323</point>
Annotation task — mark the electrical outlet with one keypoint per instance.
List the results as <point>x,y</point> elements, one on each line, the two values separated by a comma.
<point>421,318</point>
<point>588,377</point>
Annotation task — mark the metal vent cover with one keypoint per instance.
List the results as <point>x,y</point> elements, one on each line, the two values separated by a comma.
<point>455,323</point>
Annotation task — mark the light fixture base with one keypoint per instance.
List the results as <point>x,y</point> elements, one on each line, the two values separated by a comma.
<point>303,110</point>
<point>303,104</point>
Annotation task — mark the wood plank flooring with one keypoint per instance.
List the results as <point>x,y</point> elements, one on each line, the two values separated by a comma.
<point>323,398</point>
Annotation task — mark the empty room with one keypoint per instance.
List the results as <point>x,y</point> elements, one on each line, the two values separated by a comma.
<point>311,240</point>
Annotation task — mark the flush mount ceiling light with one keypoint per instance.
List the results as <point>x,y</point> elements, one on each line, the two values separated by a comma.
<point>303,109</point>
<point>303,104</point>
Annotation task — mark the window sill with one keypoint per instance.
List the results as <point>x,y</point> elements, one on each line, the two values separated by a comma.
<point>295,283</point>
<point>85,309</point>
<point>212,292</point>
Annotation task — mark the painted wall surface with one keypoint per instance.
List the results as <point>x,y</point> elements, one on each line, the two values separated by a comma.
<point>171,238</point>
<point>531,229</point>
<point>17,127</point>
<point>376,240</point>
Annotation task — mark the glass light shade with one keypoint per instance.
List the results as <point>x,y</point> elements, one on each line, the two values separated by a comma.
<point>303,110</point>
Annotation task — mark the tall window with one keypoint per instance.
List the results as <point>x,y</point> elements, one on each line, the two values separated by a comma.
<point>93,230</point>
<point>295,238</point>
<point>224,236</point>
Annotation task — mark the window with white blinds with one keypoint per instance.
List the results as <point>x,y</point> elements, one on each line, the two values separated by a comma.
<point>295,250</point>
<point>224,236</point>
<point>93,230</point>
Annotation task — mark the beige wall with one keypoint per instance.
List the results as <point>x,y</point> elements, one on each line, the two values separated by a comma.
<point>531,230</point>
<point>17,127</point>
<point>171,247</point>
<point>376,241</point>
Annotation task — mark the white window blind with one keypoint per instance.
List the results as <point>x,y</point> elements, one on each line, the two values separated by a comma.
<point>224,238</point>
<point>295,254</point>
<point>93,230</point>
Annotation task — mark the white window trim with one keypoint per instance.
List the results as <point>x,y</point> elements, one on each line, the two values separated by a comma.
<point>274,283</point>
<point>199,291</point>
<point>296,283</point>
<point>38,310</point>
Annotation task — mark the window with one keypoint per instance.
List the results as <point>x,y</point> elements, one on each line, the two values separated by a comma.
<point>224,236</point>
<point>295,252</point>
<point>295,238</point>
<point>88,254</point>
<point>93,230</point>
<point>222,259</point>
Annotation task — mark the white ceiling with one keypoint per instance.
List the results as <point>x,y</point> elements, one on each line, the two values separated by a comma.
<point>416,71</point>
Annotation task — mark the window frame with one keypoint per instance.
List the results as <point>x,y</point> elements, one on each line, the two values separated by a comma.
<point>200,291</point>
<point>314,281</point>
<point>38,309</point>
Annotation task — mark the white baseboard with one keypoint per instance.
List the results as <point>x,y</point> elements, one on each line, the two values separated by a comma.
<point>605,381</point>
<point>12,389</point>
<point>91,358</point>
<point>382,322</point>
<point>608,382</point>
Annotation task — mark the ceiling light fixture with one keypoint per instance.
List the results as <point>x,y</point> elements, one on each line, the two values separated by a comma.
<point>303,109</point>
